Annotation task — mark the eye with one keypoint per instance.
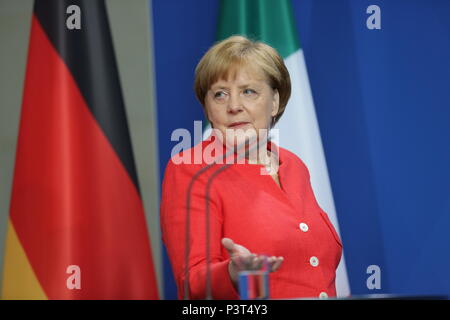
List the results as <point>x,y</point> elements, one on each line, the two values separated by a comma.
<point>220,95</point>
<point>249,92</point>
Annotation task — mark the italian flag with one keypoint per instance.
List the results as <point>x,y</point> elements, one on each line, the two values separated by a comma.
<point>272,22</point>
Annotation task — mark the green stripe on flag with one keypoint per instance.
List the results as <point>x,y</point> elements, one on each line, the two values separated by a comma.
<point>270,21</point>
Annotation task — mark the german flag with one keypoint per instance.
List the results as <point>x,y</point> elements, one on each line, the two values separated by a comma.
<point>77,228</point>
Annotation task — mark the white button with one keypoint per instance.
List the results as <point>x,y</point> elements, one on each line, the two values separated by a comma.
<point>304,227</point>
<point>323,295</point>
<point>314,261</point>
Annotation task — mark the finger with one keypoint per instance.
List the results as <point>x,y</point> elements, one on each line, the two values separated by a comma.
<point>277,264</point>
<point>229,245</point>
<point>269,263</point>
<point>234,248</point>
<point>256,263</point>
<point>272,264</point>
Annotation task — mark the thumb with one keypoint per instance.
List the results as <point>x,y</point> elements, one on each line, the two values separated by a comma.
<point>229,245</point>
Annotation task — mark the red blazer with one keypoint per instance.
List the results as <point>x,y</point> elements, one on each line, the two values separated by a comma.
<point>255,212</point>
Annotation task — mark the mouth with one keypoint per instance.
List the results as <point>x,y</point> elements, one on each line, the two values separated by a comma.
<point>236,125</point>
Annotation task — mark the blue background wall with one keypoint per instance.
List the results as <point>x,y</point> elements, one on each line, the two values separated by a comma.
<point>382,99</point>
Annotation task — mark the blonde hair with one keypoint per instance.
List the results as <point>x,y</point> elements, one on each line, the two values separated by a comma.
<point>234,51</point>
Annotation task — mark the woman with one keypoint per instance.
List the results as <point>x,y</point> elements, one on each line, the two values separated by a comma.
<point>263,205</point>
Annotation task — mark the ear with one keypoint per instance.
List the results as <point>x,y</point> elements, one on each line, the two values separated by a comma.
<point>275,103</point>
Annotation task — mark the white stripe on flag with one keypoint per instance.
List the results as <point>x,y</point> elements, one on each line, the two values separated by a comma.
<point>299,133</point>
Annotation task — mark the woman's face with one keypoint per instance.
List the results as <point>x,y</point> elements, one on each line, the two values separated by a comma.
<point>244,101</point>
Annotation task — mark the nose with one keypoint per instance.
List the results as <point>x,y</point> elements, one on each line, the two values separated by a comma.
<point>235,103</point>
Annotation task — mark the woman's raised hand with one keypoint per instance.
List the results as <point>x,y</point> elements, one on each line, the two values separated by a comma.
<point>243,259</point>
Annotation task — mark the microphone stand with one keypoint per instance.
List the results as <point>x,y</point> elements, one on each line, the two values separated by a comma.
<point>207,217</point>
<point>207,210</point>
<point>188,221</point>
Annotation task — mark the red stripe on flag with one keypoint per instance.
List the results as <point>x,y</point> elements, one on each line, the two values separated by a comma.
<point>73,202</point>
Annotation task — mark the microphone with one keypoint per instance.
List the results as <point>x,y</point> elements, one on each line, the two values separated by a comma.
<point>188,220</point>
<point>207,210</point>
